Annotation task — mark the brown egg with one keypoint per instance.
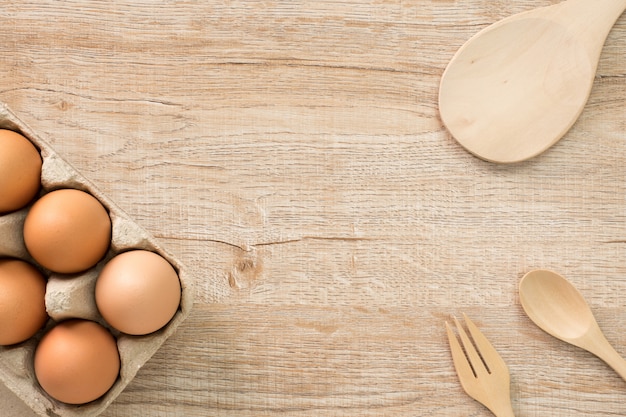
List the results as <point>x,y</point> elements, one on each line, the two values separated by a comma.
<point>67,231</point>
<point>20,171</point>
<point>138,292</point>
<point>22,301</point>
<point>77,361</point>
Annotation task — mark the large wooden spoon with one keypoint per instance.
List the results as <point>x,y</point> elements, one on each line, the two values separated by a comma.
<point>557,307</point>
<point>515,88</point>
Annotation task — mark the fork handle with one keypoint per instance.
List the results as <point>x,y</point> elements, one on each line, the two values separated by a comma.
<point>500,405</point>
<point>503,409</point>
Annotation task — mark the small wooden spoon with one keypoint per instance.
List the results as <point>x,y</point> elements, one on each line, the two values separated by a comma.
<point>515,88</point>
<point>557,307</point>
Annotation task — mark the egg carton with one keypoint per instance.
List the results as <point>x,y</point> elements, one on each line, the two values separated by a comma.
<point>73,296</point>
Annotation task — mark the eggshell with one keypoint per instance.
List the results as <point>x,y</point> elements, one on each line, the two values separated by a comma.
<point>20,171</point>
<point>138,292</point>
<point>67,231</point>
<point>22,305</point>
<point>73,296</point>
<point>77,361</point>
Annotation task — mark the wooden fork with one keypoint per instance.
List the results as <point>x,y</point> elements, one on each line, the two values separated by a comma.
<point>483,374</point>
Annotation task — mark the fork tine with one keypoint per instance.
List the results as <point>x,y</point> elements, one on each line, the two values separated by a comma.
<point>490,387</point>
<point>489,354</point>
<point>474,357</point>
<point>462,366</point>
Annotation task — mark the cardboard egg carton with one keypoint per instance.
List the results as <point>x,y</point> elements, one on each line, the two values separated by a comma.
<point>72,296</point>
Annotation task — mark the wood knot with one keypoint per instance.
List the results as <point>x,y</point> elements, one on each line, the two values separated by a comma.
<point>63,105</point>
<point>246,271</point>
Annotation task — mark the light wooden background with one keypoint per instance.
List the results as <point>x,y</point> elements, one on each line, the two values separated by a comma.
<point>290,153</point>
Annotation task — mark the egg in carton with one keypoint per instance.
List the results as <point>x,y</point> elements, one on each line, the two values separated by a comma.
<point>73,297</point>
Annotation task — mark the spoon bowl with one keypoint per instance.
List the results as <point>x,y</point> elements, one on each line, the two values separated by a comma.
<point>555,306</point>
<point>560,310</point>
<point>515,88</point>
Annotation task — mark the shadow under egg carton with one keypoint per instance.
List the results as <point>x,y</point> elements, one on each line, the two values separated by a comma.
<point>72,296</point>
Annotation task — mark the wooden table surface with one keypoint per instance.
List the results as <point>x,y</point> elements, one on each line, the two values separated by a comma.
<point>291,155</point>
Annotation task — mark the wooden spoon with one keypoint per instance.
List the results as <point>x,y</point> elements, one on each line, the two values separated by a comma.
<point>557,307</point>
<point>515,88</point>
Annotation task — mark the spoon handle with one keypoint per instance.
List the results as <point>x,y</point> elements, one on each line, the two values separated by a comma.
<point>593,18</point>
<point>615,361</point>
<point>605,351</point>
<point>609,9</point>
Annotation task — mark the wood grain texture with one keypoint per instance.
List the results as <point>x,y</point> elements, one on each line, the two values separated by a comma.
<point>290,153</point>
